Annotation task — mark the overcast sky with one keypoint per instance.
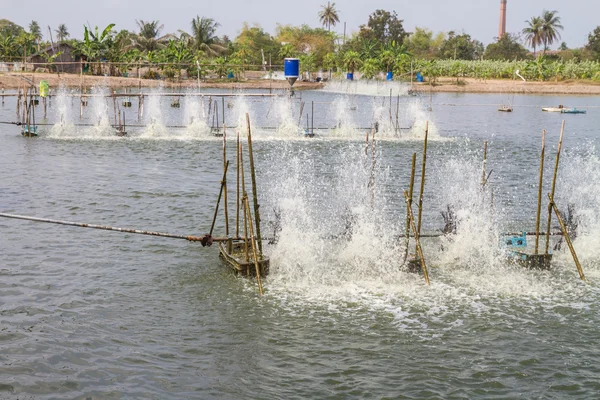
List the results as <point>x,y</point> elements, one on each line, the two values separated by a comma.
<point>479,18</point>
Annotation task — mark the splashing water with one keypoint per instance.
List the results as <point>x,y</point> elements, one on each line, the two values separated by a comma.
<point>195,118</point>
<point>155,127</point>
<point>367,87</point>
<point>64,127</point>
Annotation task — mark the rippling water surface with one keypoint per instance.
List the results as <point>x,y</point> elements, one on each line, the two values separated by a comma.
<point>98,314</point>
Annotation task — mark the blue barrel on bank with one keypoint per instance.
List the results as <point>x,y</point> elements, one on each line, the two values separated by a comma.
<point>291,69</point>
<point>350,76</point>
<point>389,76</point>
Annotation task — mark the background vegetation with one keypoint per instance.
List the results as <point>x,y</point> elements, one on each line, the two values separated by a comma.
<point>380,45</point>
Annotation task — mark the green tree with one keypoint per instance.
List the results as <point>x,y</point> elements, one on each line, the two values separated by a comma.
<point>258,43</point>
<point>593,44</point>
<point>507,48</point>
<point>62,33</point>
<point>369,68</point>
<point>461,47</point>
<point>384,27</point>
<point>533,32</point>
<point>550,27</point>
<point>10,27</point>
<point>287,51</point>
<point>329,15</point>
<point>352,61</point>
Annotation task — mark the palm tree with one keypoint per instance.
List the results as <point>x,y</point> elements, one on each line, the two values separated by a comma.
<point>329,15</point>
<point>203,35</point>
<point>148,38</point>
<point>62,33</point>
<point>36,31</point>
<point>533,32</point>
<point>550,27</point>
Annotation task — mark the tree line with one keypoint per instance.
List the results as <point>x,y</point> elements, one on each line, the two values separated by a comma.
<point>381,44</point>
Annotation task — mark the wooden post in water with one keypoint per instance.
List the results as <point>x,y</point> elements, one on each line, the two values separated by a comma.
<point>409,201</point>
<point>562,131</point>
<point>115,105</point>
<point>567,238</point>
<point>223,108</point>
<point>422,178</point>
<point>372,179</point>
<point>253,179</point>
<point>416,234</point>
<point>539,206</point>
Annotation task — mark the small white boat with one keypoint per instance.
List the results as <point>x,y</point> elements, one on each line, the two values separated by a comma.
<point>553,109</point>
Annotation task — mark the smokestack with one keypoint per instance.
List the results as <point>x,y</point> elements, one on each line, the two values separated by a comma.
<point>502,28</point>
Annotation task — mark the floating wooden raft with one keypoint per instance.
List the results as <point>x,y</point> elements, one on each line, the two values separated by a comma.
<point>242,261</point>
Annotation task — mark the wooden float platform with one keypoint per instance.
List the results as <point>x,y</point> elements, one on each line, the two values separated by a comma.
<point>234,254</point>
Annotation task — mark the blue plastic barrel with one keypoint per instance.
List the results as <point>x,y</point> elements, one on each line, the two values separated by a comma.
<point>389,76</point>
<point>350,76</point>
<point>291,67</point>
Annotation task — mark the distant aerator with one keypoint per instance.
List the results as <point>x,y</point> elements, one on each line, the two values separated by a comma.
<point>291,70</point>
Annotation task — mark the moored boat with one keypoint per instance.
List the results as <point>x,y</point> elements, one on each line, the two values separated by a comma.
<point>572,111</point>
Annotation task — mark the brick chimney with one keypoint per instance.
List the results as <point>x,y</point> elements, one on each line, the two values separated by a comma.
<point>502,28</point>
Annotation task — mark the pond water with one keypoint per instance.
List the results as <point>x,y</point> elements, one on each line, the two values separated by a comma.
<point>95,314</point>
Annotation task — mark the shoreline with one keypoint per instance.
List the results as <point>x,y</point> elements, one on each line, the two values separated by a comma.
<point>11,81</point>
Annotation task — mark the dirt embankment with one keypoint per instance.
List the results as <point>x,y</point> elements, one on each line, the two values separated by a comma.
<point>17,80</point>
<point>466,85</point>
<point>470,85</point>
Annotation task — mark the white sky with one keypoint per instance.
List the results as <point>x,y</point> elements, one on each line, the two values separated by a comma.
<point>479,18</point>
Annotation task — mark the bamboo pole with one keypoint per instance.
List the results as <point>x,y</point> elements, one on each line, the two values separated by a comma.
<point>483,173</point>
<point>212,226</point>
<point>254,252</point>
<point>567,238</point>
<point>237,192</point>
<point>225,162</point>
<point>422,178</point>
<point>253,180</point>
<point>416,234</point>
<point>300,113</point>
<point>244,196</point>
<point>115,229</point>
<point>562,131</point>
<point>410,199</point>
<point>223,112</point>
<point>372,180</point>
<point>539,206</point>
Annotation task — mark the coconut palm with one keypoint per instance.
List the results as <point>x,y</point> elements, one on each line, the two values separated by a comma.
<point>550,27</point>
<point>203,36</point>
<point>62,32</point>
<point>36,31</point>
<point>148,39</point>
<point>329,15</point>
<point>352,61</point>
<point>533,32</point>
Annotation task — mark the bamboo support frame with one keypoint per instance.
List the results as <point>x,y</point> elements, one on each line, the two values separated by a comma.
<point>237,192</point>
<point>539,206</point>
<point>416,234</point>
<point>562,131</point>
<point>567,238</point>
